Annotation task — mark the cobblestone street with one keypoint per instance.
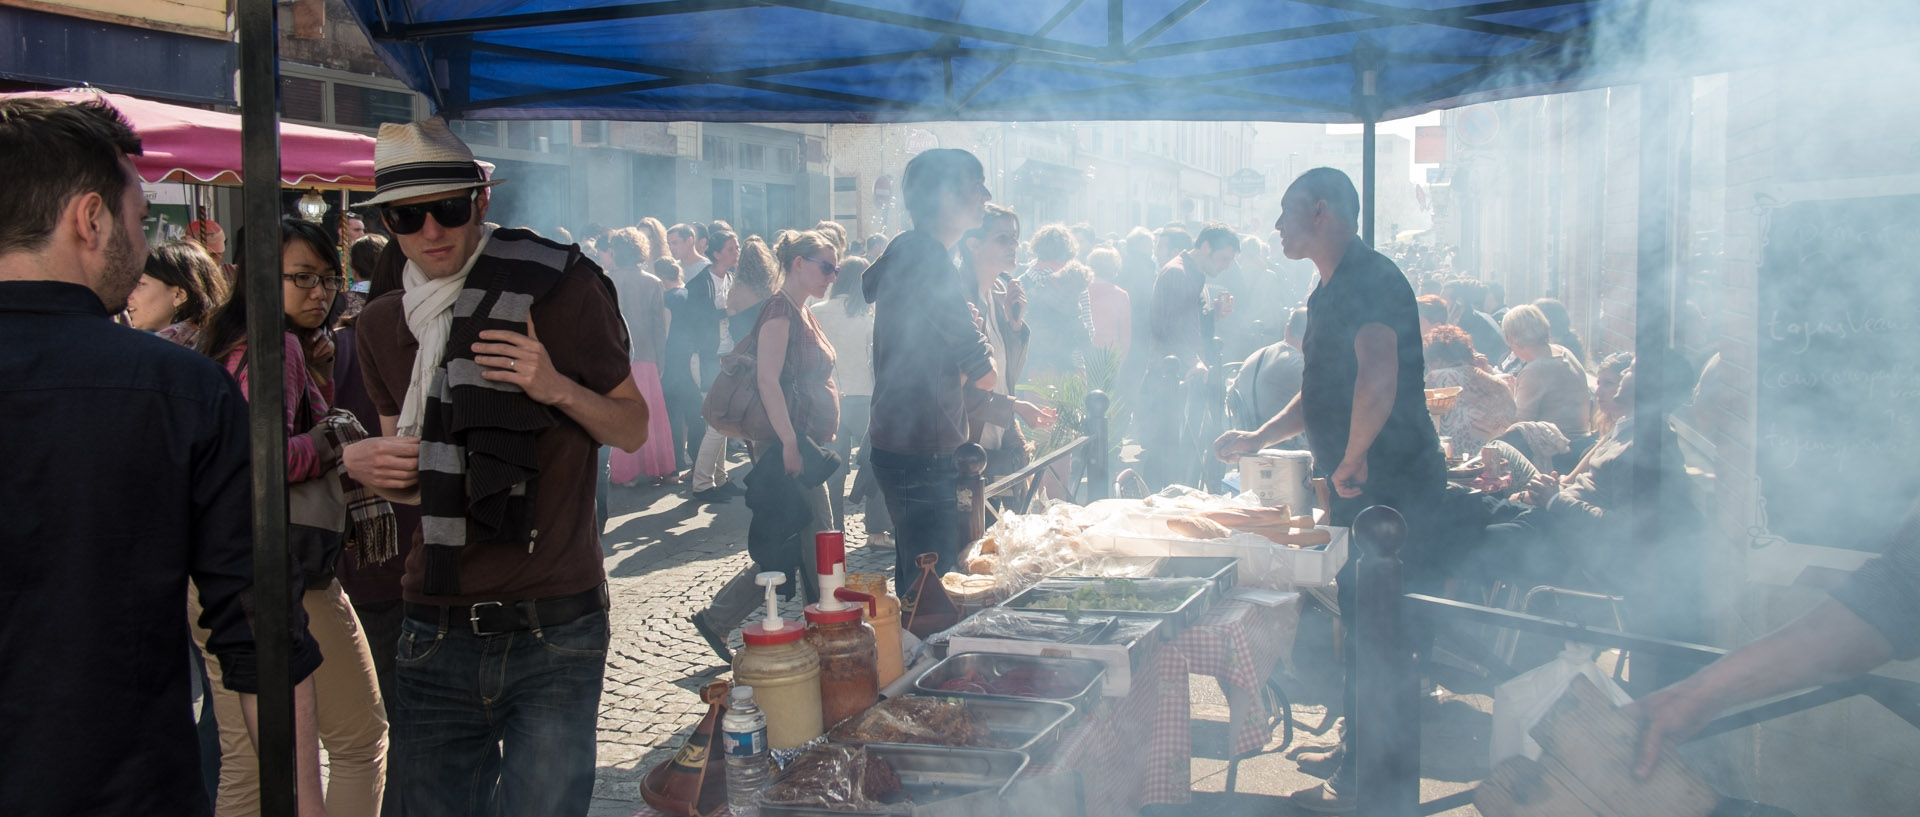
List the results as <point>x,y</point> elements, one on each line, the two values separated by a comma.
<point>666,556</point>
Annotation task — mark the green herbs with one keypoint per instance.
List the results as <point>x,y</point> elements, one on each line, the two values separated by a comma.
<point>1112,594</point>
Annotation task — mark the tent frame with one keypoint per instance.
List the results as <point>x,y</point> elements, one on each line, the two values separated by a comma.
<point>259,73</point>
<point>1036,48</point>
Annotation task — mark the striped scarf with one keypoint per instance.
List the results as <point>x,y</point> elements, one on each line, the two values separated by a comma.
<point>478,443</point>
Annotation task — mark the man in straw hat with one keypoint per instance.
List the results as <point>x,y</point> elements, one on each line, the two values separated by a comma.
<point>497,371</point>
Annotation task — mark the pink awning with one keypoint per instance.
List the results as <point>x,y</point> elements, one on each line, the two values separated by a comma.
<point>191,145</point>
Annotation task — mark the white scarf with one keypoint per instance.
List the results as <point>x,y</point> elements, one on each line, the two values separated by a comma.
<point>429,308</point>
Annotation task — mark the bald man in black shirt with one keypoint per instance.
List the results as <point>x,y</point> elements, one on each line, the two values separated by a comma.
<point>1362,403</point>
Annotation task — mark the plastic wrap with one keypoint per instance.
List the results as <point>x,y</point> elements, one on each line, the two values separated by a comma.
<point>929,721</point>
<point>1116,567</point>
<point>839,777</point>
<point>1113,595</point>
<point>1021,548</point>
<point>1035,625</point>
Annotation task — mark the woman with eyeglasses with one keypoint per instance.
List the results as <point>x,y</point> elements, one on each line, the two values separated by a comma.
<point>352,717</point>
<point>787,487</point>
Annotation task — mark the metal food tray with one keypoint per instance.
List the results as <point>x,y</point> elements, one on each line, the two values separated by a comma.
<point>1021,724</point>
<point>930,774</point>
<point>1199,599</point>
<point>1082,677</point>
<point>1223,571</point>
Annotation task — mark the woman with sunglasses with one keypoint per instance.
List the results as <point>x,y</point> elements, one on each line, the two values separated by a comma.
<point>352,717</point>
<point>987,259</point>
<point>794,368</point>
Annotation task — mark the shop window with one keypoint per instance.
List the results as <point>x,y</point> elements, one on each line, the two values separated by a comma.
<point>752,156</point>
<point>846,184</point>
<point>476,132</point>
<point>783,161</point>
<point>356,106</point>
<point>593,133</point>
<point>715,151</point>
<point>302,98</point>
<point>520,135</point>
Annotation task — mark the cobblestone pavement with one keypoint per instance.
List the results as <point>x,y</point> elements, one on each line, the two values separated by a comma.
<point>666,556</point>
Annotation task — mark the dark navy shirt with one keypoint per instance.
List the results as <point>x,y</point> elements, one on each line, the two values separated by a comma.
<point>125,472</point>
<point>1367,288</point>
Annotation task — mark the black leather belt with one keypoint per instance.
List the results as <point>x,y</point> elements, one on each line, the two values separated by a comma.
<point>494,617</point>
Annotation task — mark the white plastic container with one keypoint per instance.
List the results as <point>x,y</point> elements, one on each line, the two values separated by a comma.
<point>1279,477</point>
<point>1263,563</point>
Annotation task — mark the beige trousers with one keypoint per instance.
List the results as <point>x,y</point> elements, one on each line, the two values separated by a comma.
<point>352,720</point>
<point>710,464</point>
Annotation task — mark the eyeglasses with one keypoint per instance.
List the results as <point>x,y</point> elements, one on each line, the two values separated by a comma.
<point>308,280</point>
<point>407,219</point>
<point>830,269</point>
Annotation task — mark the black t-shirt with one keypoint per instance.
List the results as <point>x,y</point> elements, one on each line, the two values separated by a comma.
<point>1367,288</point>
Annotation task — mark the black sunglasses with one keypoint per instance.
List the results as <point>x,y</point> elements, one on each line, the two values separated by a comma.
<point>406,219</point>
<point>830,269</point>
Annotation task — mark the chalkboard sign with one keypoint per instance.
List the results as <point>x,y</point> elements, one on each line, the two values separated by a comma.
<point>1839,370</point>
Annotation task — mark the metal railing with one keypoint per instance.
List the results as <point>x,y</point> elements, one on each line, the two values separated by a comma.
<point>1386,727</point>
<point>1090,449</point>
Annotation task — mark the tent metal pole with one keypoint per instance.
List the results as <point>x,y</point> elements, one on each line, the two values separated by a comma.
<point>272,593</point>
<point>1369,181</point>
<point>1653,308</point>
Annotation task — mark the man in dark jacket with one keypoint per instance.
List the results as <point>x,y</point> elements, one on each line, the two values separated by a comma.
<point>928,348</point>
<point>128,475</point>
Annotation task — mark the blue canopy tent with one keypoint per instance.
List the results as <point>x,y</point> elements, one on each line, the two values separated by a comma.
<point>1006,60</point>
<point>826,61</point>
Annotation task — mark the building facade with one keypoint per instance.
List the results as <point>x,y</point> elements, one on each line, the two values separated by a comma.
<point>1112,176</point>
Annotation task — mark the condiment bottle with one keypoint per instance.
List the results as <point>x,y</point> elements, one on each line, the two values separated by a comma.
<point>885,621</point>
<point>784,671</point>
<point>849,655</point>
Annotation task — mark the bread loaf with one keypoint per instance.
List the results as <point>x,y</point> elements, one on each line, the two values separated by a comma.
<point>1198,527</point>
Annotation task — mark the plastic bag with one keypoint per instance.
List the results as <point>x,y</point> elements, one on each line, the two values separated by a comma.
<point>1520,703</point>
<point>1021,548</point>
<point>930,721</point>
<point>839,777</point>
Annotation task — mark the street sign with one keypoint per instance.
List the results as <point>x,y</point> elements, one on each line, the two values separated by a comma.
<point>1429,144</point>
<point>1246,183</point>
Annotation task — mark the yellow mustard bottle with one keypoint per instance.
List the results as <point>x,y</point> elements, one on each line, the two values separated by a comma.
<point>784,671</point>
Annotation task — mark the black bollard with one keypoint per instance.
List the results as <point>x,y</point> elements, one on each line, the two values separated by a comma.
<point>1386,727</point>
<point>1098,483</point>
<point>971,460</point>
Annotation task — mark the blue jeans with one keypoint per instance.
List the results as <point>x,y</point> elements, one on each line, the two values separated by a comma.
<point>922,493</point>
<point>498,724</point>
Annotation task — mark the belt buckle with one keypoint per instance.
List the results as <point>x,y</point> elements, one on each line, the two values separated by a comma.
<point>473,615</point>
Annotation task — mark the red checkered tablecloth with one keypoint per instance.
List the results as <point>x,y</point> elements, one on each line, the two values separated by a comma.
<point>1238,642</point>
<point>1134,751</point>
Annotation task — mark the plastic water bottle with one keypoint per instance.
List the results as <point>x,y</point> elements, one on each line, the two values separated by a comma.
<point>749,762</point>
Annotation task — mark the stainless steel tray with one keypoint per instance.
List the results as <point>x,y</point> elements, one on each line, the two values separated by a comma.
<point>1199,598</point>
<point>1019,724</point>
<point>1080,679</point>
<point>931,775</point>
<point>1223,571</point>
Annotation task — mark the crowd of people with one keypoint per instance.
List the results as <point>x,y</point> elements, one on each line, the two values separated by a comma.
<point>459,396</point>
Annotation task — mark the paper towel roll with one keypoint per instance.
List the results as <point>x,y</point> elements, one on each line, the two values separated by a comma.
<point>1279,477</point>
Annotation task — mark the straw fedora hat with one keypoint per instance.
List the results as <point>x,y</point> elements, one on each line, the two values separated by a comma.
<point>421,159</point>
